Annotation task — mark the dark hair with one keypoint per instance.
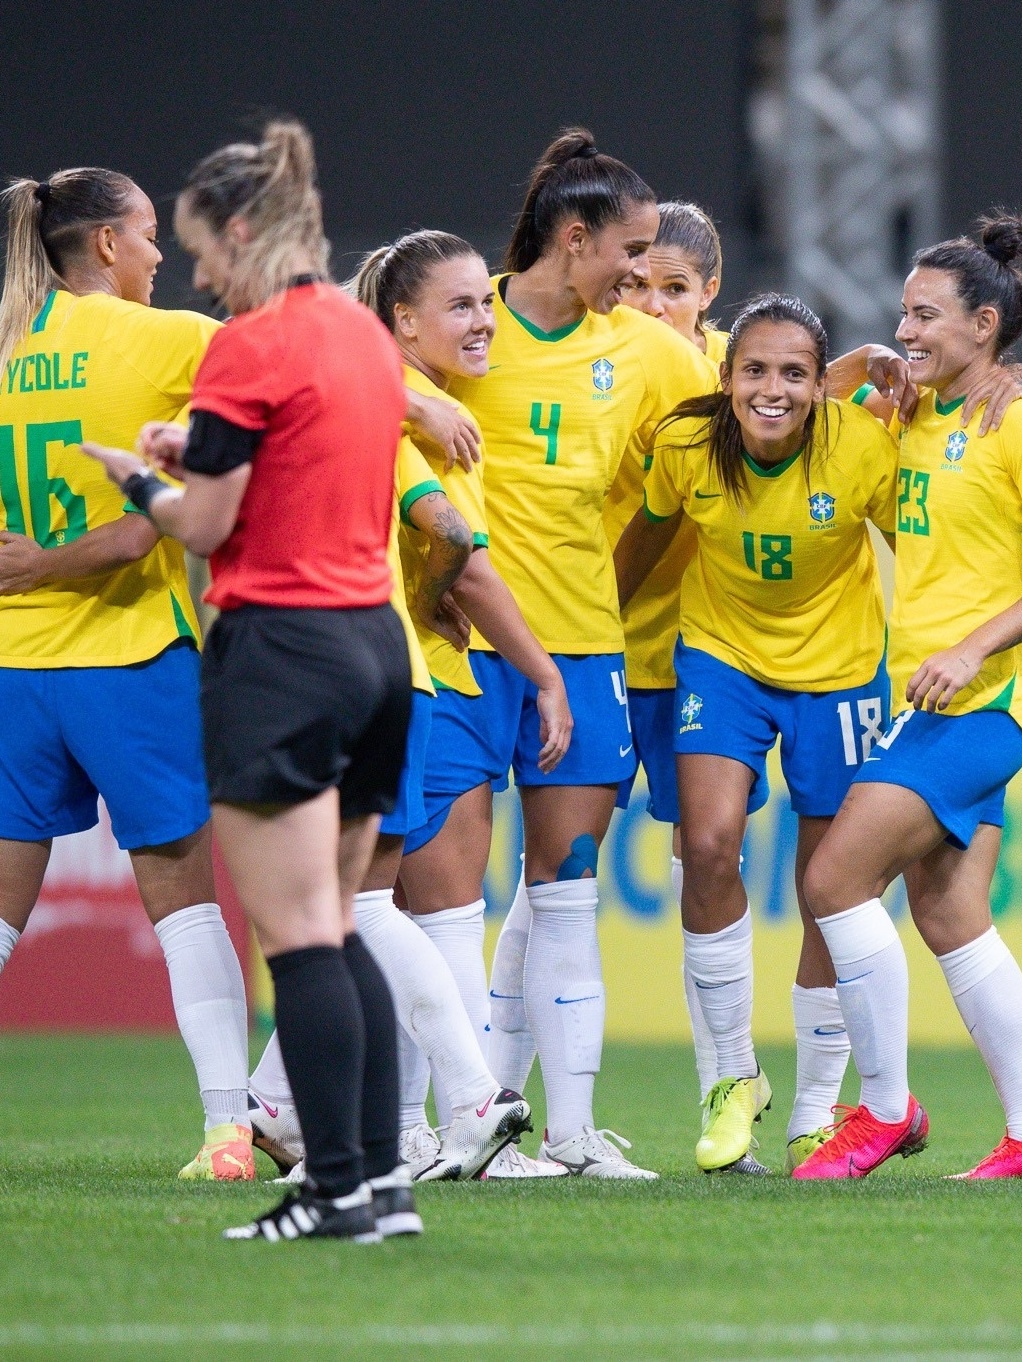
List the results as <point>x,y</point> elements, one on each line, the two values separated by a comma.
<point>396,274</point>
<point>722,431</point>
<point>47,225</point>
<point>985,274</point>
<point>685,227</point>
<point>572,179</point>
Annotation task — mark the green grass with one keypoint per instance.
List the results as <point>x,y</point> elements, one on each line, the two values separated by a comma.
<point>105,1255</point>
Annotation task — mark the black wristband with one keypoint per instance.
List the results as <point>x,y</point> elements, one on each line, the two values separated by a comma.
<point>140,489</point>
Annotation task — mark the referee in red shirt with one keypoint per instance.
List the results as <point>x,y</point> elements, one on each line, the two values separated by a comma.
<point>306,690</point>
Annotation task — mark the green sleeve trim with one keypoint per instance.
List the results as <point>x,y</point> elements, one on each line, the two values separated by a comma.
<point>650,515</point>
<point>1002,701</point>
<point>480,541</point>
<point>422,489</point>
<point>860,394</point>
<point>129,508</point>
<point>44,312</point>
<point>184,629</point>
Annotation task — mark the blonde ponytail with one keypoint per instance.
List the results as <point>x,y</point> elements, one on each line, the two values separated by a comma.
<point>28,275</point>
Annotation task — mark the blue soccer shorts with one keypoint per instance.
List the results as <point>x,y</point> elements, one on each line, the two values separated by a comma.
<point>652,715</point>
<point>410,810</point>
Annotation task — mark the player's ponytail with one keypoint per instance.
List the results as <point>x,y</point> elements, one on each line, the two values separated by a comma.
<point>47,225</point>
<point>396,274</point>
<point>572,179</point>
<point>987,274</point>
<point>684,227</point>
<point>721,430</point>
<point>273,187</point>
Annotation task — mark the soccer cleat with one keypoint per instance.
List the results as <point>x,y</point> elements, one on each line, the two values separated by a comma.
<point>275,1130</point>
<point>512,1163</point>
<point>800,1148</point>
<point>729,1110</point>
<point>226,1156</point>
<point>394,1203</point>
<point>296,1176</point>
<point>591,1155</point>
<point>747,1164</point>
<point>475,1136</point>
<point>303,1215</point>
<point>859,1143</point>
<point>1003,1162</point>
<point>418,1147</point>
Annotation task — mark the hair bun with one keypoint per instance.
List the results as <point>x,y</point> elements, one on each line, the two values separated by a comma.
<point>1001,237</point>
<point>573,144</point>
<point>42,191</point>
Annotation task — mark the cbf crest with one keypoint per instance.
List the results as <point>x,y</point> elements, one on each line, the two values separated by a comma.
<point>956,443</point>
<point>821,507</point>
<point>689,710</point>
<point>603,375</point>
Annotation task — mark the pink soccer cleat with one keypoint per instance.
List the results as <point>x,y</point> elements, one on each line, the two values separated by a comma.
<point>1004,1162</point>
<point>861,1143</point>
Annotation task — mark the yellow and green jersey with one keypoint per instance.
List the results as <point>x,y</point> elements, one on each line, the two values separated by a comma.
<point>463,488</point>
<point>784,587</point>
<point>413,478</point>
<point>716,346</point>
<point>959,559</point>
<point>91,368</point>
<point>557,410</point>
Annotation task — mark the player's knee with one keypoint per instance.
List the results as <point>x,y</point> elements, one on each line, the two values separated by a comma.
<point>822,887</point>
<point>710,853</point>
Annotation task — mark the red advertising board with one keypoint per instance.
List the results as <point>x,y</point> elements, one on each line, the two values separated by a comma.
<point>89,959</point>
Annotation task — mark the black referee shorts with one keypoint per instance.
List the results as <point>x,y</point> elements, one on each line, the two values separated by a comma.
<point>297,700</point>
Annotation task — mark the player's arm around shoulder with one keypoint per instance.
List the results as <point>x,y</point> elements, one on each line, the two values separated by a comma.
<point>26,566</point>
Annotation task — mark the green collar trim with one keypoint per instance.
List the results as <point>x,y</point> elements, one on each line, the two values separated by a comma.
<point>537,333</point>
<point>775,471</point>
<point>943,410</point>
<point>44,312</point>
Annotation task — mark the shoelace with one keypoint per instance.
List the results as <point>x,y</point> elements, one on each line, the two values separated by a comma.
<point>843,1139</point>
<point>606,1136</point>
<point>718,1094</point>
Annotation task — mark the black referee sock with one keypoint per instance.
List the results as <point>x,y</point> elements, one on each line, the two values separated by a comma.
<point>322,1040</point>
<point>380,1121</point>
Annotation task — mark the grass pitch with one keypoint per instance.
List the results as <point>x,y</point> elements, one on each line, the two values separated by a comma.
<point>105,1255</point>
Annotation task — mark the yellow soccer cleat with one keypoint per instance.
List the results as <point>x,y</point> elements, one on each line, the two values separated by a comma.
<point>802,1146</point>
<point>729,1109</point>
<point>226,1156</point>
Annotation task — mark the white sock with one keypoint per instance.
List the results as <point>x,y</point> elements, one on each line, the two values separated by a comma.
<point>702,1040</point>
<point>986,984</point>
<point>9,938</point>
<point>426,996</point>
<point>208,989</point>
<point>413,1076</point>
<point>822,1058</point>
<point>565,1000</point>
<point>512,1048</point>
<point>269,1079</point>
<point>872,988</point>
<point>720,964</point>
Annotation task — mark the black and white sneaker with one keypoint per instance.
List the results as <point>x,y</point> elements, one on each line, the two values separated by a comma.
<point>477,1135</point>
<point>303,1215</point>
<point>394,1203</point>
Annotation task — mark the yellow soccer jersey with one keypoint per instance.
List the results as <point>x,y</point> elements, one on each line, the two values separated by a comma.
<point>413,478</point>
<point>959,559</point>
<point>557,411</point>
<point>716,346</point>
<point>448,668</point>
<point>91,368</point>
<point>785,588</point>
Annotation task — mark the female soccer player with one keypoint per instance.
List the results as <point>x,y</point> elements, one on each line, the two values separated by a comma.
<point>572,379</point>
<point>929,802</point>
<point>98,634</point>
<point>289,484</point>
<point>781,633</point>
<point>433,291</point>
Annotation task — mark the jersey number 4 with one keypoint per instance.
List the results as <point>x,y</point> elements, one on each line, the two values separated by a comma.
<point>549,431</point>
<point>41,487</point>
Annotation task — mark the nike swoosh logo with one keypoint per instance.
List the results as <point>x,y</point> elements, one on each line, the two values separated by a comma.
<point>481,1111</point>
<point>492,367</point>
<point>708,496</point>
<point>699,985</point>
<point>828,1030</point>
<point>588,998</point>
<point>517,997</point>
<point>623,751</point>
<point>271,1110</point>
<point>856,976</point>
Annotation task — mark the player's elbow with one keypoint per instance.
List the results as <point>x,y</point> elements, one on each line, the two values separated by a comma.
<point>137,536</point>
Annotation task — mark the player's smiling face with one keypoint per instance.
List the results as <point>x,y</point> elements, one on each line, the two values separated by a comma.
<point>774,380</point>
<point>137,254</point>
<point>941,337</point>
<point>448,328</point>
<point>604,263</point>
<point>674,292</point>
<point>213,254</point>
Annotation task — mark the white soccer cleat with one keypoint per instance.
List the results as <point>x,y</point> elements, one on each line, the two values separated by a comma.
<point>512,1163</point>
<point>418,1147</point>
<point>475,1136</point>
<point>275,1130</point>
<point>591,1155</point>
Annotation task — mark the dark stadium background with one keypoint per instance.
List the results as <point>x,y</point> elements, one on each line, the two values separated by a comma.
<point>429,114</point>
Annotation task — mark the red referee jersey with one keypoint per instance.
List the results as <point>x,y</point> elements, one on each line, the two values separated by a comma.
<point>321,377</point>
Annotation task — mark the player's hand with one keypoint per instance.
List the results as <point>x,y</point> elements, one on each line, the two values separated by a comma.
<point>555,724</point>
<point>889,374</point>
<point>21,563</point>
<point>998,391</point>
<point>439,426</point>
<point>162,443</point>
<point>445,618</point>
<point>119,464</point>
<point>942,676</point>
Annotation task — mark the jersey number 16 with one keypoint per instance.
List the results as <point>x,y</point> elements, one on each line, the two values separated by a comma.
<point>41,487</point>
